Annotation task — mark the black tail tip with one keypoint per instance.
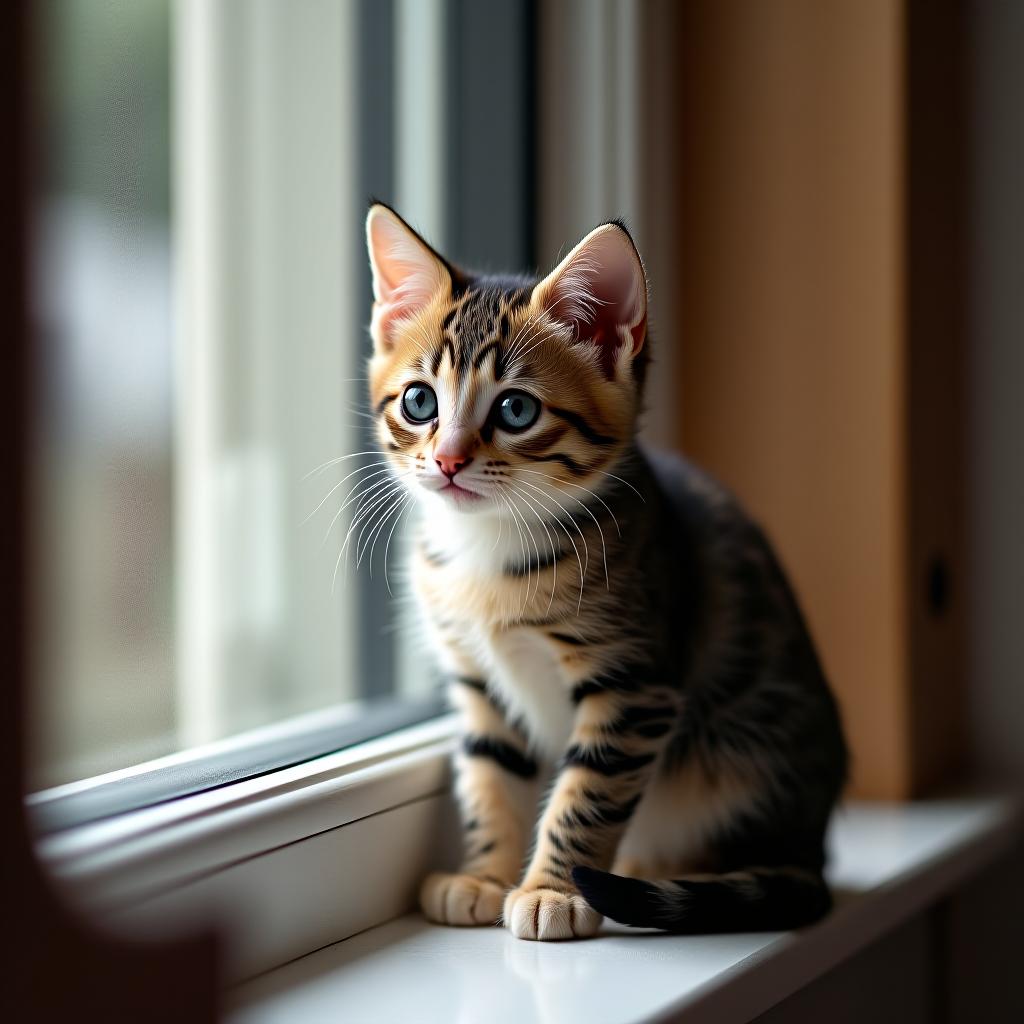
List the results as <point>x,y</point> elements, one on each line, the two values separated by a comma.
<point>622,899</point>
<point>587,878</point>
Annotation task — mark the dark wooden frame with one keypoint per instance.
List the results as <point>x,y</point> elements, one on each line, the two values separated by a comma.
<point>57,967</point>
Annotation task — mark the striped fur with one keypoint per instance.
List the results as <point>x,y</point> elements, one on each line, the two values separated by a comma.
<point>637,686</point>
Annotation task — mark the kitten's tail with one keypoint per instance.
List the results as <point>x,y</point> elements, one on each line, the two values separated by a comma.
<point>758,899</point>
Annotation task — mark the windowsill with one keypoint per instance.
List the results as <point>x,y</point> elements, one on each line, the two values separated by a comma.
<point>889,863</point>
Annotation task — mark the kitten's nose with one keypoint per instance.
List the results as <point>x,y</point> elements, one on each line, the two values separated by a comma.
<point>451,464</point>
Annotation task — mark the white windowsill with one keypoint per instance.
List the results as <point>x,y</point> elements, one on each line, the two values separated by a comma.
<point>889,863</point>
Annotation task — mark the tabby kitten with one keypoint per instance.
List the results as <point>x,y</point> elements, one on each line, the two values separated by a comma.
<point>638,691</point>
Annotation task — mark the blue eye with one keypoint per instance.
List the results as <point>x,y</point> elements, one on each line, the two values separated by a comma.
<point>419,403</point>
<point>516,410</point>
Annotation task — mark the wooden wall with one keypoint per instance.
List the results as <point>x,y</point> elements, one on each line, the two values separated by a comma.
<point>820,336</point>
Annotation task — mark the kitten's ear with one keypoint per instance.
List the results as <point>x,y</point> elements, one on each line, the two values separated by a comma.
<point>599,291</point>
<point>407,273</point>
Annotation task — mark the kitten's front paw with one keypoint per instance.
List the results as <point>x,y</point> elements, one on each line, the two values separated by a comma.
<point>461,900</point>
<point>549,915</point>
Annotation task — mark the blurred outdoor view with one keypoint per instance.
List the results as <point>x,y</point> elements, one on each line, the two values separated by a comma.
<point>201,296</point>
<point>103,301</point>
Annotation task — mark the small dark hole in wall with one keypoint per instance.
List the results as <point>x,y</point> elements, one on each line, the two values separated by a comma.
<point>938,586</point>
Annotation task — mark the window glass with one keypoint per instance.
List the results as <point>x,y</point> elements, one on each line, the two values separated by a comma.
<point>104,464</point>
<point>201,296</point>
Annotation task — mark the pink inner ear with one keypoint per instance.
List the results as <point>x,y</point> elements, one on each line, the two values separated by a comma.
<point>601,296</point>
<point>605,331</point>
<point>406,274</point>
<point>639,333</point>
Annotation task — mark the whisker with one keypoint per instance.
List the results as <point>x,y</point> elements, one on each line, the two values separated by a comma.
<point>583,567</point>
<point>604,549</point>
<point>536,550</point>
<point>569,516</point>
<point>351,455</point>
<point>409,504</point>
<point>379,529</point>
<point>356,495</point>
<point>348,476</point>
<point>522,539</point>
<point>538,339</point>
<point>529,565</point>
<point>519,334</point>
<point>361,515</point>
<point>612,476</point>
<point>368,519</point>
<point>569,483</point>
<point>551,544</point>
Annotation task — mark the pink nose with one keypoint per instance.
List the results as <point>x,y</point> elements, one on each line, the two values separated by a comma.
<point>451,464</point>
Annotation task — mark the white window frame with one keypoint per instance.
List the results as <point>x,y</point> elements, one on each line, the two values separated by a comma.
<point>284,863</point>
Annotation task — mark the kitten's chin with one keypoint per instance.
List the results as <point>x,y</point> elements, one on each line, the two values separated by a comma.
<point>461,499</point>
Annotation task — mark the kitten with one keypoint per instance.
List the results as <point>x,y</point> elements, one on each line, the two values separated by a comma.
<point>610,621</point>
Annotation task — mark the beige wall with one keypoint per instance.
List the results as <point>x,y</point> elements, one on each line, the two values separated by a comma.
<point>796,362</point>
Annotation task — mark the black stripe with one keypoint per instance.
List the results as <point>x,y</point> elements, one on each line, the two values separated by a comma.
<point>600,812</point>
<point>580,845</point>
<point>448,318</point>
<point>439,355</point>
<point>629,679</point>
<point>499,362</point>
<point>581,425</point>
<point>632,719</point>
<point>383,403</point>
<point>616,814</point>
<point>604,759</point>
<point>402,436</point>
<point>546,561</point>
<point>652,731</point>
<point>479,686</point>
<point>555,841</point>
<point>540,443</point>
<point>504,754</point>
<point>581,691</point>
<point>519,297</point>
<point>432,557</point>
<point>565,638</point>
<point>570,463</point>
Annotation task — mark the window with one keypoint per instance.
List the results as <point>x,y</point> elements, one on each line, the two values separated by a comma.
<point>217,548</point>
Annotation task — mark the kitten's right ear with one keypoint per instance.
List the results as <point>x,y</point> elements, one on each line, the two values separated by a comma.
<point>407,273</point>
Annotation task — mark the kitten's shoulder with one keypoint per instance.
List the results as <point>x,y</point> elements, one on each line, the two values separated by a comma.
<point>691,491</point>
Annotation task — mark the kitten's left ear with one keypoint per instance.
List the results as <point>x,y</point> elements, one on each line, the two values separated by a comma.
<point>599,291</point>
<point>407,273</point>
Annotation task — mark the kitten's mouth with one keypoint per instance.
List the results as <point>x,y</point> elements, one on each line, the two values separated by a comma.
<point>459,494</point>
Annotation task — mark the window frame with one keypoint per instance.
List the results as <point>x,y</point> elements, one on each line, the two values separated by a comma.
<point>244,756</point>
<point>281,864</point>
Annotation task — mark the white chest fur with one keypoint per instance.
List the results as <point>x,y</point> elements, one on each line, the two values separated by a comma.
<point>520,664</point>
<point>525,674</point>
